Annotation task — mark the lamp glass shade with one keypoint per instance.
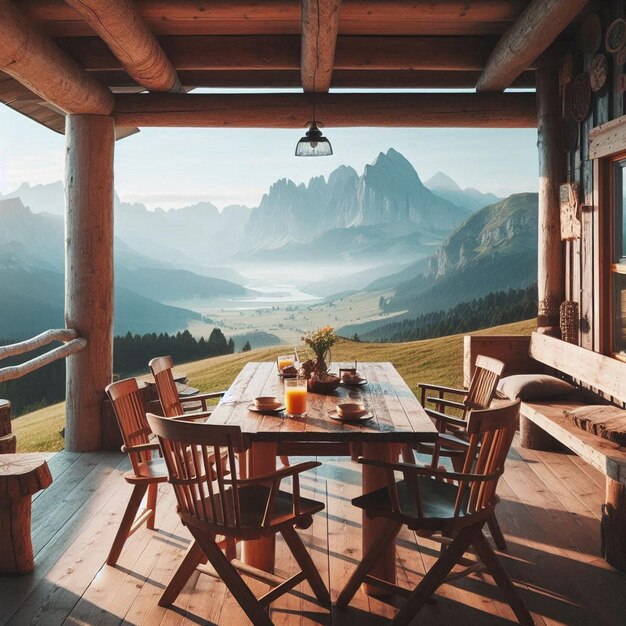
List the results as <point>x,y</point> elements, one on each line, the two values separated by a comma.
<point>314,143</point>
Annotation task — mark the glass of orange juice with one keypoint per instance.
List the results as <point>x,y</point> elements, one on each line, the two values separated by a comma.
<point>285,361</point>
<point>295,397</point>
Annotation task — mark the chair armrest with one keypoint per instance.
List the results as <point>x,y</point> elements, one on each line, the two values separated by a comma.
<point>283,472</point>
<point>442,401</point>
<point>447,419</point>
<point>202,396</point>
<point>443,388</point>
<point>429,472</point>
<point>141,447</point>
<point>193,415</point>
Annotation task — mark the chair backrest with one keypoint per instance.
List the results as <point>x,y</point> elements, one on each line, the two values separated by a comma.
<point>205,496</point>
<point>131,418</point>
<point>484,382</point>
<point>161,368</point>
<point>491,433</point>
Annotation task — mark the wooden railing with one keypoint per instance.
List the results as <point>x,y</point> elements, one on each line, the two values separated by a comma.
<point>72,344</point>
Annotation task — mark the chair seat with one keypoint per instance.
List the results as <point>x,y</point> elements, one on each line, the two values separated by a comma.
<point>153,471</point>
<point>252,502</point>
<point>436,496</point>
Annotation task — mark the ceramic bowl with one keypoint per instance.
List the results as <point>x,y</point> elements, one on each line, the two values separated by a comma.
<point>351,409</point>
<point>267,402</point>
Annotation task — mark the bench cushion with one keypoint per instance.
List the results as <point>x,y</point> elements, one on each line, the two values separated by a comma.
<point>533,387</point>
<point>603,420</point>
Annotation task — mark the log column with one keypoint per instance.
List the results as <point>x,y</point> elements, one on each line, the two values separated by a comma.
<point>552,173</point>
<point>88,273</point>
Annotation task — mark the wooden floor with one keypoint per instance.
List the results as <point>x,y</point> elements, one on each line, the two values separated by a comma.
<point>549,513</point>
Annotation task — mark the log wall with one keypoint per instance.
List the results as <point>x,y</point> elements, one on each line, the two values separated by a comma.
<point>583,257</point>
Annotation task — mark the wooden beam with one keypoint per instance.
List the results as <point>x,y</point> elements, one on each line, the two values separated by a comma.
<point>34,60</point>
<point>88,253</point>
<point>607,139</point>
<point>320,24</point>
<point>533,32</point>
<point>552,173</point>
<point>259,52</point>
<point>244,17</point>
<point>118,80</point>
<point>121,27</point>
<point>511,110</point>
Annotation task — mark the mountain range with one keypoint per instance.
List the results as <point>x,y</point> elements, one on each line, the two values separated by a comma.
<point>495,249</point>
<point>420,239</point>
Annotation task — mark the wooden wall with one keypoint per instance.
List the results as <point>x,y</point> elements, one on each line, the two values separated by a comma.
<point>583,270</point>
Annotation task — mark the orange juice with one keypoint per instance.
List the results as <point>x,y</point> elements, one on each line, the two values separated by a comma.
<point>295,401</point>
<point>295,396</point>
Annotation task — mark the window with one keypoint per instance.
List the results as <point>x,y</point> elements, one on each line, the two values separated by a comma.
<point>618,257</point>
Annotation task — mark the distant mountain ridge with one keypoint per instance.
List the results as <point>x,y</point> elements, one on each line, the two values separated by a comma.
<point>196,237</point>
<point>469,198</point>
<point>389,192</point>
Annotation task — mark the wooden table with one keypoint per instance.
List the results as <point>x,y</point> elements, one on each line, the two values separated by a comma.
<point>21,476</point>
<point>398,419</point>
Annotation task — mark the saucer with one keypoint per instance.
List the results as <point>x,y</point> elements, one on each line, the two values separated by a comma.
<point>360,383</point>
<point>361,418</point>
<point>256,409</point>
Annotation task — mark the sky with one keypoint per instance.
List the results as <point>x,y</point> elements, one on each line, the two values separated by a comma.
<point>174,167</point>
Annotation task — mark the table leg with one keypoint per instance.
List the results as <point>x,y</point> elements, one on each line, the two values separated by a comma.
<point>374,478</point>
<point>260,553</point>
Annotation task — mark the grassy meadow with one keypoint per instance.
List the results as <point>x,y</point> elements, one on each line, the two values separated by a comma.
<point>435,360</point>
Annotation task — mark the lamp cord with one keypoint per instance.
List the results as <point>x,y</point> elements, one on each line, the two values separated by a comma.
<point>317,61</point>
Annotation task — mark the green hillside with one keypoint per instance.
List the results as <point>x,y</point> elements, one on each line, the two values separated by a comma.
<point>435,360</point>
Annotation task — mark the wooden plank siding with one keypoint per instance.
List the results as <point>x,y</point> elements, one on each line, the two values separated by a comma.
<point>584,266</point>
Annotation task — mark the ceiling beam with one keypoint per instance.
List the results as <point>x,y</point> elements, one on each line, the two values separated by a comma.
<point>276,52</point>
<point>118,80</point>
<point>36,62</point>
<point>122,29</point>
<point>320,24</point>
<point>510,110</point>
<point>536,28</point>
<point>240,17</point>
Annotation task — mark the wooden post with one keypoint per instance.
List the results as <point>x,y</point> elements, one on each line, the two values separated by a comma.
<point>552,172</point>
<point>614,524</point>
<point>7,438</point>
<point>88,273</point>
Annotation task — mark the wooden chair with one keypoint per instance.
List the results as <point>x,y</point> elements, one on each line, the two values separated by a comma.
<point>234,508</point>
<point>172,403</point>
<point>147,471</point>
<point>457,504</point>
<point>452,442</point>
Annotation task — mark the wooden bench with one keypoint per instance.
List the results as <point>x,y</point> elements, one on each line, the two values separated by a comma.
<point>543,425</point>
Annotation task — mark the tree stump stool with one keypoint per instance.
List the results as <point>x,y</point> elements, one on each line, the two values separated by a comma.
<point>21,475</point>
<point>7,438</point>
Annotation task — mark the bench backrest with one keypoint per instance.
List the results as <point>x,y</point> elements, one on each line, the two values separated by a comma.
<point>600,372</point>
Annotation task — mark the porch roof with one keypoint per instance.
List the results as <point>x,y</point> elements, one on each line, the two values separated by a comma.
<point>94,57</point>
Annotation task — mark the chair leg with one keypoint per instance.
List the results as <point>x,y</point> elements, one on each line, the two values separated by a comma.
<point>391,531</point>
<point>233,581</point>
<point>153,492</point>
<point>491,561</point>
<point>496,532</point>
<point>127,521</point>
<point>191,560</point>
<point>436,575</point>
<point>284,460</point>
<point>293,540</point>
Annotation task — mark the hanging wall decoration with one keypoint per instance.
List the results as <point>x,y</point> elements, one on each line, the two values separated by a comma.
<point>569,134</point>
<point>570,224</point>
<point>580,97</point>
<point>598,72</point>
<point>615,36</point>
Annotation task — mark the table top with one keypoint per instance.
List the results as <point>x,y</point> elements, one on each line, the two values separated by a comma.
<point>398,415</point>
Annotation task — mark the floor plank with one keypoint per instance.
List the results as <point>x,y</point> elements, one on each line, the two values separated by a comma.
<point>549,512</point>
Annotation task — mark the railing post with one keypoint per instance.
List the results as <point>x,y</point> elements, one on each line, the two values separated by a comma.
<point>552,173</point>
<point>88,273</point>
